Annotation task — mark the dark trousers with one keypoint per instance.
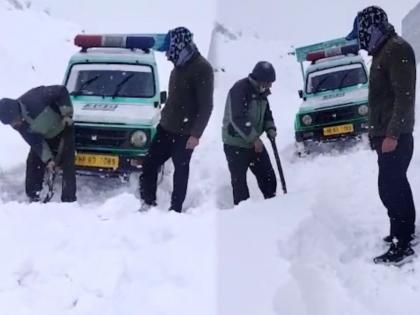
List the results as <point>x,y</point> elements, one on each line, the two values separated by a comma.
<point>35,168</point>
<point>166,145</point>
<point>394,188</point>
<point>239,160</point>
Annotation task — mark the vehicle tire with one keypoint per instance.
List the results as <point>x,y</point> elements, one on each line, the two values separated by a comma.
<point>301,149</point>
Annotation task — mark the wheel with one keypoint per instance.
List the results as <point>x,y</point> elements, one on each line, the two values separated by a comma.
<point>301,149</point>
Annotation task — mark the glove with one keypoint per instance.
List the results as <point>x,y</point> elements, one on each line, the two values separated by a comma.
<point>51,166</point>
<point>67,121</point>
<point>192,143</point>
<point>258,145</point>
<point>272,133</point>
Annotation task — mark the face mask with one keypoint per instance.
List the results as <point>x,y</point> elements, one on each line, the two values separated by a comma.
<point>262,89</point>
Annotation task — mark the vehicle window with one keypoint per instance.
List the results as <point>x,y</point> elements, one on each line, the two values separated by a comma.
<point>336,78</point>
<point>120,80</point>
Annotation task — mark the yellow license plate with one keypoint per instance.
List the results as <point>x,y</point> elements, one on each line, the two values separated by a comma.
<point>336,130</point>
<point>97,160</point>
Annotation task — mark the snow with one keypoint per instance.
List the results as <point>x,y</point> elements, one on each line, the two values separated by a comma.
<point>306,253</point>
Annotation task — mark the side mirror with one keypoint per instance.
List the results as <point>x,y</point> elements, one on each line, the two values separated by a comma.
<point>300,93</point>
<point>163,97</point>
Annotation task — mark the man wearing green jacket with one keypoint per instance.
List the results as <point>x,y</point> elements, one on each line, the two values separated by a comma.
<point>43,117</point>
<point>391,102</point>
<point>247,116</point>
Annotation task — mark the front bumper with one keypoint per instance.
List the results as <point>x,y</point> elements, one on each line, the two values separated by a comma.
<point>126,165</point>
<point>317,133</point>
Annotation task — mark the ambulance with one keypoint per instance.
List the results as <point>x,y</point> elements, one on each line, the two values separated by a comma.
<point>334,96</point>
<point>114,86</point>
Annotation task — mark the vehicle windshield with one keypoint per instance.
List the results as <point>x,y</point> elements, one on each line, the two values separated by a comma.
<point>113,80</point>
<point>336,78</point>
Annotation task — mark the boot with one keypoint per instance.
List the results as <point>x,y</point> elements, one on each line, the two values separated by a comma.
<point>414,240</point>
<point>396,255</point>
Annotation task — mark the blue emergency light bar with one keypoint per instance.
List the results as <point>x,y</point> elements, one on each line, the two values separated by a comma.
<point>133,41</point>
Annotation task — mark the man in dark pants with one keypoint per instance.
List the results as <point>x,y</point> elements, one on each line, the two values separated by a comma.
<point>183,119</point>
<point>247,116</point>
<point>43,117</point>
<point>391,99</point>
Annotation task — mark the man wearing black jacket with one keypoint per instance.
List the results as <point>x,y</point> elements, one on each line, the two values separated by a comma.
<point>184,118</point>
<point>392,90</point>
<point>43,117</point>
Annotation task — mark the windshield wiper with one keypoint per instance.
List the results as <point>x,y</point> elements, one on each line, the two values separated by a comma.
<point>85,85</point>
<point>323,80</point>
<point>343,78</point>
<point>121,84</point>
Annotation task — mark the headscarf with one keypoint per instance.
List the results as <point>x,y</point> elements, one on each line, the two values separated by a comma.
<point>181,46</point>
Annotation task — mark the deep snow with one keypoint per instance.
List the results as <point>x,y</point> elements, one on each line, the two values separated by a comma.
<point>306,253</point>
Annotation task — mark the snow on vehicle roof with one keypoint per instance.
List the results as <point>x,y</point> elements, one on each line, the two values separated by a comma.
<point>334,62</point>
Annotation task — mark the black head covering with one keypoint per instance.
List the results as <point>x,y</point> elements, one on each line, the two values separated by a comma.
<point>264,72</point>
<point>371,28</point>
<point>9,110</point>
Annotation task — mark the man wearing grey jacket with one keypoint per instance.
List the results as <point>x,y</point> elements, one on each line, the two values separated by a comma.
<point>247,117</point>
<point>43,117</point>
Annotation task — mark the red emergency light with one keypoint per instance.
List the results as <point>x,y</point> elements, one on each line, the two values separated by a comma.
<point>331,52</point>
<point>118,41</point>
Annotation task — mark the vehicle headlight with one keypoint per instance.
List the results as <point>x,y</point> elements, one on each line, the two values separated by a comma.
<point>307,119</point>
<point>138,138</point>
<point>363,110</point>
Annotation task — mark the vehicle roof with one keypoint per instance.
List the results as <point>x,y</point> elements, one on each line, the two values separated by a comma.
<point>114,55</point>
<point>334,62</point>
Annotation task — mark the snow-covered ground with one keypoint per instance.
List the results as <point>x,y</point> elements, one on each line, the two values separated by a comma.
<point>305,253</point>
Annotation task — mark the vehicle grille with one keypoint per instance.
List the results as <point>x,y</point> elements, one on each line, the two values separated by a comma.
<point>336,114</point>
<point>104,137</point>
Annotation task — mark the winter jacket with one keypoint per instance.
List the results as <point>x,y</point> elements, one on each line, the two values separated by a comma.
<point>190,98</point>
<point>392,85</point>
<point>247,115</point>
<point>43,109</point>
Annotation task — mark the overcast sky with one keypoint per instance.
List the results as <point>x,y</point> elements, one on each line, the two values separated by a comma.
<point>297,22</point>
<point>137,16</point>
<point>303,21</point>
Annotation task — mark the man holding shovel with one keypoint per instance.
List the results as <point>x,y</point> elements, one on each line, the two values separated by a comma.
<point>43,117</point>
<point>247,116</point>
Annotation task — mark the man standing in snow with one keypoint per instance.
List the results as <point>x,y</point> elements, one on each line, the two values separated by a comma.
<point>184,118</point>
<point>43,117</point>
<point>247,116</point>
<point>391,101</point>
